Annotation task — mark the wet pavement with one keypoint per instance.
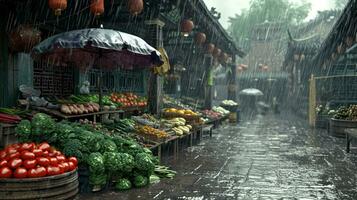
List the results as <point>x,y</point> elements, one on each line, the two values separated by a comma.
<point>271,157</point>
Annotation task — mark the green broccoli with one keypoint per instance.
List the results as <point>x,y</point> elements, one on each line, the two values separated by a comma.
<point>123,184</point>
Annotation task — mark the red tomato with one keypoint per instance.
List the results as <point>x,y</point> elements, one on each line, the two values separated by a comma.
<point>41,171</point>
<point>3,154</point>
<point>10,150</point>
<point>71,166</point>
<point>26,155</point>
<point>14,155</point>
<point>37,152</point>
<point>53,161</point>
<point>5,172</point>
<point>29,164</point>
<point>32,173</point>
<point>53,170</point>
<point>57,153</point>
<point>44,146</point>
<point>15,163</point>
<point>74,160</point>
<point>61,159</point>
<point>20,173</point>
<point>3,163</point>
<point>51,154</point>
<point>45,153</point>
<point>65,166</point>
<point>16,146</point>
<point>62,168</point>
<point>27,146</point>
<point>43,161</point>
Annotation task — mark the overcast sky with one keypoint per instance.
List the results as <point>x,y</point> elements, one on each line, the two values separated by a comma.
<point>231,7</point>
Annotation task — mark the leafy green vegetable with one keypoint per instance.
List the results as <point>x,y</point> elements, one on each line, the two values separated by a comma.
<point>127,162</point>
<point>143,163</point>
<point>23,130</point>
<point>112,161</point>
<point>72,148</point>
<point>140,181</point>
<point>98,179</point>
<point>42,124</point>
<point>108,146</point>
<point>96,163</point>
<point>123,184</point>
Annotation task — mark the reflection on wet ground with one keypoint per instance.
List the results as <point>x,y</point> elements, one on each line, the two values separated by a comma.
<point>271,157</point>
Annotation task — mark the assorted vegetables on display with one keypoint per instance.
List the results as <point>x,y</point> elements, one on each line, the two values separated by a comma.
<point>177,125</point>
<point>229,103</point>
<point>78,109</point>
<point>30,160</point>
<point>128,99</point>
<point>152,133</point>
<point>108,155</point>
<point>211,114</point>
<point>187,114</point>
<point>347,113</point>
<point>220,110</point>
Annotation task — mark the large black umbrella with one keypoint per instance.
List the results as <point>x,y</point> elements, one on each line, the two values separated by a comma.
<point>100,47</point>
<point>103,47</point>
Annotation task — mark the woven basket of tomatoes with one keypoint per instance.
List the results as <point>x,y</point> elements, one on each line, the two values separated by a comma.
<point>37,171</point>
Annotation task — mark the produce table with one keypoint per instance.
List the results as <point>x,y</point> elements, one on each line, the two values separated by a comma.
<point>60,115</point>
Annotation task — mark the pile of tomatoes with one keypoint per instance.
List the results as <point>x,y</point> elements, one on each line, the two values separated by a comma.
<point>128,99</point>
<point>30,160</point>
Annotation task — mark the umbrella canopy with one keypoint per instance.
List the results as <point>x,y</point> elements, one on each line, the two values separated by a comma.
<point>103,47</point>
<point>251,92</point>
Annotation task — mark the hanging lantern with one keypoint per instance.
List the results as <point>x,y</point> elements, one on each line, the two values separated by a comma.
<point>24,38</point>
<point>240,69</point>
<point>200,38</point>
<point>243,66</point>
<point>97,7</point>
<point>135,7</point>
<point>217,52</point>
<point>349,41</point>
<point>210,48</point>
<point>57,6</point>
<point>187,27</point>
<point>265,68</point>
<point>224,58</point>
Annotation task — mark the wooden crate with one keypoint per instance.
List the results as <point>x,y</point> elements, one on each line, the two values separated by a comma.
<point>7,134</point>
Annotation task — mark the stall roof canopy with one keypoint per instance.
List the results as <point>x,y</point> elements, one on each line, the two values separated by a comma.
<point>343,29</point>
<point>116,15</point>
<point>263,75</point>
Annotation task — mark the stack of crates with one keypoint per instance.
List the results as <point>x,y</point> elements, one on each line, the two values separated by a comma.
<point>7,135</point>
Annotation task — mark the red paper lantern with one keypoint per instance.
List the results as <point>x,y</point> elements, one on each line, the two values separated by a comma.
<point>187,27</point>
<point>135,6</point>
<point>24,38</point>
<point>217,52</point>
<point>200,38</point>
<point>210,48</point>
<point>97,7</point>
<point>57,6</point>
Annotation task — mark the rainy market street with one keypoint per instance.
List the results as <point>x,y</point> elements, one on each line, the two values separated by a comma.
<point>271,157</point>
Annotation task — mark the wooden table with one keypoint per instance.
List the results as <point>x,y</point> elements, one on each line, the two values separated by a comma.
<point>60,115</point>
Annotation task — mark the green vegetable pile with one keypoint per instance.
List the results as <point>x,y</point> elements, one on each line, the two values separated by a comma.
<point>347,113</point>
<point>108,156</point>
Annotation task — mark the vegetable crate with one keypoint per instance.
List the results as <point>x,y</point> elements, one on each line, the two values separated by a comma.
<point>7,134</point>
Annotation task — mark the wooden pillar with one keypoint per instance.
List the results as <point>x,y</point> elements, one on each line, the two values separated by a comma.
<point>155,83</point>
<point>207,63</point>
<point>232,83</point>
